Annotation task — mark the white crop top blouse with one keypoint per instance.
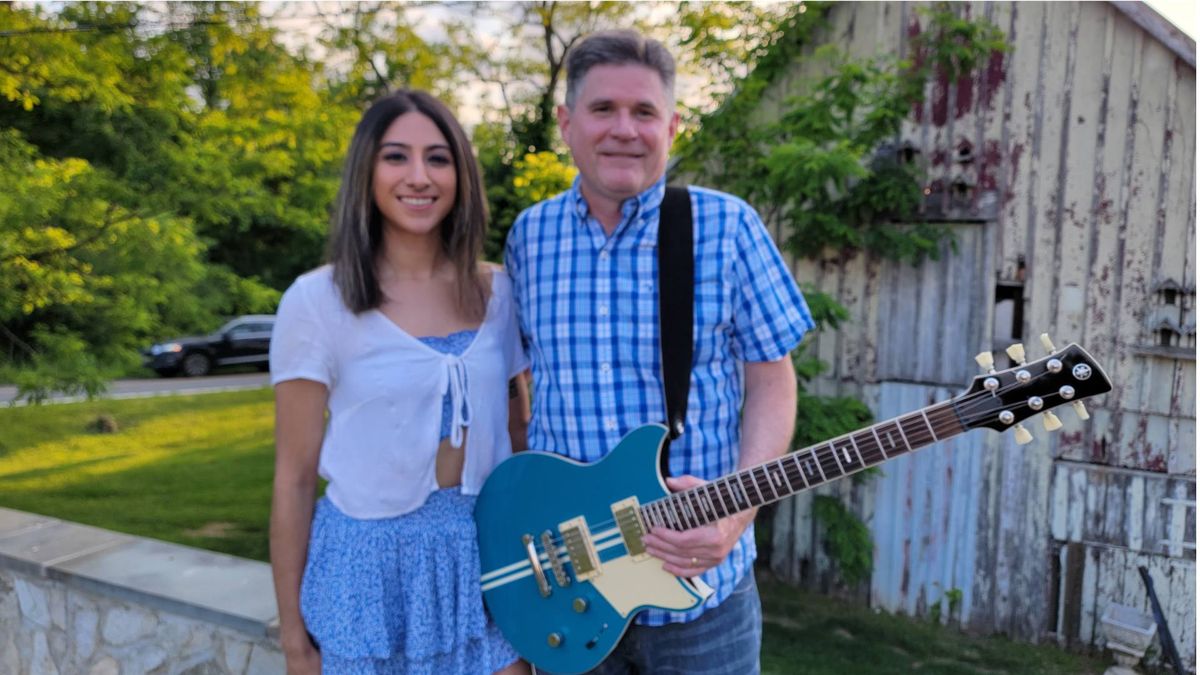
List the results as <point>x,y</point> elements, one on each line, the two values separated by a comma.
<point>386,390</point>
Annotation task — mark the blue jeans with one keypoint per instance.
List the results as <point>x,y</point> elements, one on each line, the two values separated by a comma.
<point>725,640</point>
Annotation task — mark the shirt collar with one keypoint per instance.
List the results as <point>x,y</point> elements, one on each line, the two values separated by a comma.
<point>639,205</point>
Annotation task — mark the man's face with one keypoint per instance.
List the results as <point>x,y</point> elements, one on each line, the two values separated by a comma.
<point>619,130</point>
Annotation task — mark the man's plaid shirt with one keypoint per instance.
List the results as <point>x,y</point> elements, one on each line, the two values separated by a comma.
<point>588,307</point>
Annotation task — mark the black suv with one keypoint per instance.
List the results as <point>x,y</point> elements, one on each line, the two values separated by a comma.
<point>245,340</point>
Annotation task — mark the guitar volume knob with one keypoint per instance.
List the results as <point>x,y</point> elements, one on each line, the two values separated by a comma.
<point>579,605</point>
<point>554,639</point>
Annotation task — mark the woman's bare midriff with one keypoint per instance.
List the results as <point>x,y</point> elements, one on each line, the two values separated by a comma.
<point>450,463</point>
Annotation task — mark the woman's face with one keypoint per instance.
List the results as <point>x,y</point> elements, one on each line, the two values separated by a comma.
<point>415,180</point>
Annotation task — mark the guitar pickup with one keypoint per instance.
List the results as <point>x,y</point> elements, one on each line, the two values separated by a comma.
<point>628,514</point>
<point>560,574</point>
<point>581,551</point>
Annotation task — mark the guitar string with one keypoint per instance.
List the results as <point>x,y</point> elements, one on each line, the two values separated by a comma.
<point>941,419</point>
<point>719,494</point>
<point>824,454</point>
<point>795,477</point>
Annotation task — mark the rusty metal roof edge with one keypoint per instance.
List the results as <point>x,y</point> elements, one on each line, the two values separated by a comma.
<point>1157,25</point>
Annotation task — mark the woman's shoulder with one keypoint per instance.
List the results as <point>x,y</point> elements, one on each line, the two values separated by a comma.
<point>316,276</point>
<point>488,268</point>
<point>496,277</point>
<point>316,286</point>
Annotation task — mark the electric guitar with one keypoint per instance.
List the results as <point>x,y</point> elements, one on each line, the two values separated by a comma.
<point>564,569</point>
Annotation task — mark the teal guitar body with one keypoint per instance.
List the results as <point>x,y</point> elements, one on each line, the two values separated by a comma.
<point>563,572</point>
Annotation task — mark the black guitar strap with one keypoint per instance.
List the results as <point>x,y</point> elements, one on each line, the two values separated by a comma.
<point>676,274</point>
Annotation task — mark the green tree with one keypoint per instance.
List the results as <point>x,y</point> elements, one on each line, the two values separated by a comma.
<point>84,281</point>
<point>717,43</point>
<point>524,66</point>
<point>541,175</point>
<point>824,168</point>
<point>381,51</point>
<point>258,168</point>
<point>155,164</point>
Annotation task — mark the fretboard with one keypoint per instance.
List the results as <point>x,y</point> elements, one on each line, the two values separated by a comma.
<point>804,469</point>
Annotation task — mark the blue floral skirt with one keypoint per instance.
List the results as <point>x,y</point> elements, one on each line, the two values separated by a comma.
<point>400,595</point>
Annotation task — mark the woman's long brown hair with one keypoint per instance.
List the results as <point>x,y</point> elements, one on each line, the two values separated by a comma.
<point>357,228</point>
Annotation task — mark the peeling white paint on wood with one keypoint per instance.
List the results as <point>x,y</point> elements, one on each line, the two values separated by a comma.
<point>1085,137</point>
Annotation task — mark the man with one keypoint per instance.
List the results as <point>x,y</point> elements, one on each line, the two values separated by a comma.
<point>584,266</point>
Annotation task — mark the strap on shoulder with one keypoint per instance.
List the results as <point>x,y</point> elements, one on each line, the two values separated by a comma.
<point>676,281</point>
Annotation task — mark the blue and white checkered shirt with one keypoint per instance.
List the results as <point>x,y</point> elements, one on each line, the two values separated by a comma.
<point>588,307</point>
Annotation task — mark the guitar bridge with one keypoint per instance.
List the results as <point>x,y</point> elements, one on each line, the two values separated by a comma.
<point>627,513</point>
<point>581,551</point>
<point>538,574</point>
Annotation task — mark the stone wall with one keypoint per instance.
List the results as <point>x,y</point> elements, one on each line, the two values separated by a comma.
<point>79,600</point>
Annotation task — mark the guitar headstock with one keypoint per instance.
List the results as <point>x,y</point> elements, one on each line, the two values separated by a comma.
<point>1001,400</point>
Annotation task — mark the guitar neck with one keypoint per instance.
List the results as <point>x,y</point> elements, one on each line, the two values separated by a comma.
<point>806,468</point>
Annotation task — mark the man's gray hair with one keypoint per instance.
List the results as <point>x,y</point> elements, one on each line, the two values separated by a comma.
<point>618,47</point>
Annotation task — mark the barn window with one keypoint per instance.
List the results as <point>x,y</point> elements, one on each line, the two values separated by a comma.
<point>1008,318</point>
<point>1165,337</point>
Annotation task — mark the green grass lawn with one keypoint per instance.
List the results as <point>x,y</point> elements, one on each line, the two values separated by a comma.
<point>197,470</point>
<point>190,469</point>
<point>818,635</point>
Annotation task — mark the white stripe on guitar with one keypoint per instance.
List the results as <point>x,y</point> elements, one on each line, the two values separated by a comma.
<point>519,570</point>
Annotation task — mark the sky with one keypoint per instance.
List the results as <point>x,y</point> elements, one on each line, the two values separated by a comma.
<point>1185,14</point>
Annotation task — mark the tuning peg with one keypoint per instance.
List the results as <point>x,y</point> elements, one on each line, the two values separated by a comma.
<point>1080,410</point>
<point>1047,343</point>
<point>1022,434</point>
<point>985,361</point>
<point>1016,353</point>
<point>1050,421</point>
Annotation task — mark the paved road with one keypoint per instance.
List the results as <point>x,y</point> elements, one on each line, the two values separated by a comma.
<point>162,386</point>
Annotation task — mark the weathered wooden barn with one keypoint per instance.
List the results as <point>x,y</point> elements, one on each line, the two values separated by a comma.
<point>1067,171</point>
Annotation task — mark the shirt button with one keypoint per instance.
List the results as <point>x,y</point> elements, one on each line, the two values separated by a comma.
<point>604,255</point>
<point>610,424</point>
<point>602,310</point>
<point>604,367</point>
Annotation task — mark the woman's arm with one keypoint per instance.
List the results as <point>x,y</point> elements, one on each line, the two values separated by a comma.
<point>519,411</point>
<point>299,430</point>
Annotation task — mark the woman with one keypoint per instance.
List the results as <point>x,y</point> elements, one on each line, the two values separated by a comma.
<point>409,343</point>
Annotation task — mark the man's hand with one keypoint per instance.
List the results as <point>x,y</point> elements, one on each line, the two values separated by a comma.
<point>691,552</point>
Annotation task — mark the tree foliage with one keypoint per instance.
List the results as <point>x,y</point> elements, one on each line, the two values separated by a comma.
<point>541,175</point>
<point>168,165</point>
<point>522,67</point>
<point>383,51</point>
<point>827,167</point>
<point>718,44</point>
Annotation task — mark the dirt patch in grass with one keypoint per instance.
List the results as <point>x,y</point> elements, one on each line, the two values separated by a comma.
<point>214,530</point>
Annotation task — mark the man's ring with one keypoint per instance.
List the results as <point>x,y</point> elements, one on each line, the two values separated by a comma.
<point>695,561</point>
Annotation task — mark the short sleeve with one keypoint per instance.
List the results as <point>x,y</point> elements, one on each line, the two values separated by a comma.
<point>770,314</point>
<point>512,266</point>
<point>299,347</point>
<point>515,358</point>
